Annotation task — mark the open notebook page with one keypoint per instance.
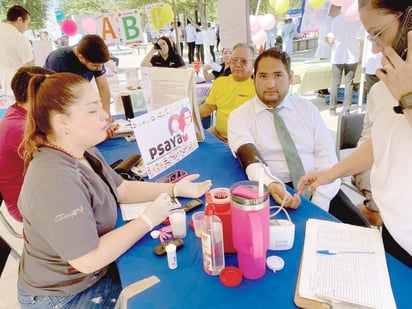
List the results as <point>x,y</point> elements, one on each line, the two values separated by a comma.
<point>345,263</point>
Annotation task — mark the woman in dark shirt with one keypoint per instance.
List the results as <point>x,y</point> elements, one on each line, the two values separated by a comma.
<point>163,54</point>
<point>224,66</point>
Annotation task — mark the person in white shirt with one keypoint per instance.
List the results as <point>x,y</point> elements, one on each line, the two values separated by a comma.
<point>190,32</point>
<point>200,52</point>
<point>362,180</point>
<point>287,36</point>
<point>179,37</point>
<point>252,132</point>
<point>345,57</point>
<point>324,49</point>
<point>15,50</point>
<point>211,38</point>
<point>388,151</point>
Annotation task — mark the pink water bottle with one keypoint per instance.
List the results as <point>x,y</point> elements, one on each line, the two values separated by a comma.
<point>250,226</point>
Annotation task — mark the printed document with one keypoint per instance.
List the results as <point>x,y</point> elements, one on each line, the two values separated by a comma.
<point>345,264</point>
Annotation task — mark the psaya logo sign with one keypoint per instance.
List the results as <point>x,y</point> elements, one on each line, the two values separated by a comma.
<point>165,136</point>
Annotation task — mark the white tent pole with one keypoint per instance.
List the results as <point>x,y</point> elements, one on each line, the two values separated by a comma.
<point>257,8</point>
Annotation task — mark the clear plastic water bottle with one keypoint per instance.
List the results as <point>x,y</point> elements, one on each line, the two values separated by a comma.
<point>212,240</point>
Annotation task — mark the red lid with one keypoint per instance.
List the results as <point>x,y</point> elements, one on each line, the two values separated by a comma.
<point>231,276</point>
<point>191,224</point>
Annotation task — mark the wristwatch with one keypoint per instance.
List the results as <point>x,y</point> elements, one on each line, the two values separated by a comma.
<point>405,102</point>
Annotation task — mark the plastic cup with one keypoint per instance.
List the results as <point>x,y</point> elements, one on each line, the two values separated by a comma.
<point>178,222</point>
<point>197,218</point>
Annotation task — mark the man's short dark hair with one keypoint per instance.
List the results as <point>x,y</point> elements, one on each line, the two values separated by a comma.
<point>94,49</point>
<point>275,53</point>
<point>21,79</point>
<point>17,11</point>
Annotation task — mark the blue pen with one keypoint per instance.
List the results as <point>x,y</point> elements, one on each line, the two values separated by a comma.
<point>330,252</point>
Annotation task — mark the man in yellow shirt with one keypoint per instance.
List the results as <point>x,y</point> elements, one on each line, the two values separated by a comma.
<point>229,92</point>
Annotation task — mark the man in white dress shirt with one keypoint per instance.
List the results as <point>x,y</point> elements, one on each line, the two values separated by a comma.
<point>15,48</point>
<point>252,132</point>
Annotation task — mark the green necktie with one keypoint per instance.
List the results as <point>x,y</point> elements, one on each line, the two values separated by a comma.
<point>295,165</point>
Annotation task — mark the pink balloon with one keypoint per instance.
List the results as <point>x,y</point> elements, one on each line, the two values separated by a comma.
<point>351,13</point>
<point>260,37</point>
<point>267,22</point>
<point>88,24</point>
<point>69,27</point>
<point>337,2</point>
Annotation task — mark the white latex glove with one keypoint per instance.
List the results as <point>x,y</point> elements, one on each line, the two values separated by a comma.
<point>189,189</point>
<point>157,211</point>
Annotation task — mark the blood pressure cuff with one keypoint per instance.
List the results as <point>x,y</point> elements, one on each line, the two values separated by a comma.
<point>248,154</point>
<point>123,167</point>
<point>126,165</point>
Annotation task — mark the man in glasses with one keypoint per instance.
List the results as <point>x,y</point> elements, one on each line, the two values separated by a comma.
<point>345,57</point>
<point>229,92</point>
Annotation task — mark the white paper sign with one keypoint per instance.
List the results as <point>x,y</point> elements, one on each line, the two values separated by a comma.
<point>165,136</point>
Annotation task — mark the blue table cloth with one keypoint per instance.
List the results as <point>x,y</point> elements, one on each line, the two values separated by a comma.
<point>189,286</point>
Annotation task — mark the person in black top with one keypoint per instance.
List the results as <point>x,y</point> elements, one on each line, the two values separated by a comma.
<point>224,66</point>
<point>163,54</point>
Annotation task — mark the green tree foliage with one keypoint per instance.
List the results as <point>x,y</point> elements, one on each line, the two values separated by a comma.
<point>89,7</point>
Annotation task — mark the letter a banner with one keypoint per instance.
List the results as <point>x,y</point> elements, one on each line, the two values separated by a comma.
<point>165,136</point>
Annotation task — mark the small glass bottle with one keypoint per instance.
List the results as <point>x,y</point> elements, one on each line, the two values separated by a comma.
<point>212,240</point>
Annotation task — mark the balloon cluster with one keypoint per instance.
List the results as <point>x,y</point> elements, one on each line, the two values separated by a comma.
<point>258,25</point>
<point>69,27</point>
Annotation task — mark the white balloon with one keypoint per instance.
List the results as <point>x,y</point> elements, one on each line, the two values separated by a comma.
<point>254,24</point>
<point>260,37</point>
<point>267,22</point>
